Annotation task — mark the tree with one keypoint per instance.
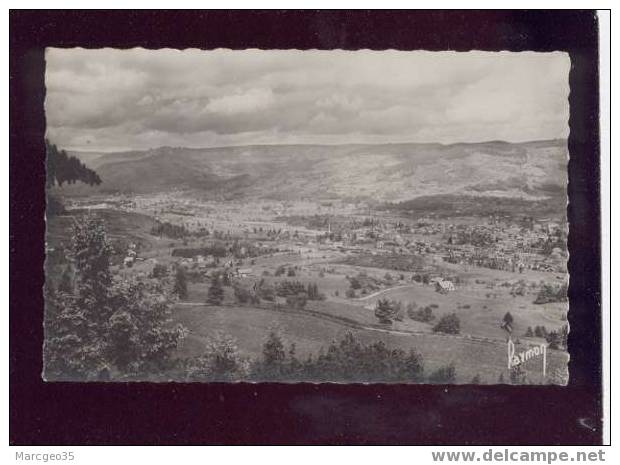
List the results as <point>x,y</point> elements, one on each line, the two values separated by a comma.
<point>518,375</point>
<point>529,332</point>
<point>180,284</point>
<point>476,379</point>
<point>272,365</point>
<point>564,335</point>
<point>313,292</point>
<point>141,336</point>
<point>215,295</point>
<point>105,326</point>
<point>540,331</point>
<point>221,361</point>
<point>554,339</point>
<point>385,311</point>
<point>507,322</point>
<point>75,325</point>
<point>63,168</point>
<point>449,324</point>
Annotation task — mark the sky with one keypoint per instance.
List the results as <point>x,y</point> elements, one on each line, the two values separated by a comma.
<point>113,100</point>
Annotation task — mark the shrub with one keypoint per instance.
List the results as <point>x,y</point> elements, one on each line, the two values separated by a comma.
<point>385,311</point>
<point>267,293</point>
<point>242,295</point>
<point>355,283</point>
<point>159,271</point>
<point>550,293</point>
<point>169,230</point>
<point>424,315</point>
<point>449,324</point>
<point>286,288</point>
<point>297,300</point>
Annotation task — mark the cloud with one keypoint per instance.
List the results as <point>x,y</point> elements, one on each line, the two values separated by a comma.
<point>117,99</point>
<point>245,102</point>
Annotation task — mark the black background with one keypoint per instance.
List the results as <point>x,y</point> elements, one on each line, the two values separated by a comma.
<point>142,413</point>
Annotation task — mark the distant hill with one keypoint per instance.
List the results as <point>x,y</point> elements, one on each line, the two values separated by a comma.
<point>384,173</point>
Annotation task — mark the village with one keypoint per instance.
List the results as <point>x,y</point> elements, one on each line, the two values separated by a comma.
<point>311,228</point>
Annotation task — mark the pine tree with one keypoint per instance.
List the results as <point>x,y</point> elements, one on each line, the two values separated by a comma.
<point>273,349</point>
<point>63,168</point>
<point>76,324</point>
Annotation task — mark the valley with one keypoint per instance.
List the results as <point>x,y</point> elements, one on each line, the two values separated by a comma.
<point>312,240</point>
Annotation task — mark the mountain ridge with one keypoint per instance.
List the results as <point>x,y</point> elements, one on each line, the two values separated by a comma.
<point>395,171</point>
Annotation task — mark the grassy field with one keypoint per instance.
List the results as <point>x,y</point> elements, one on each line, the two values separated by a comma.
<point>250,326</point>
<point>480,301</point>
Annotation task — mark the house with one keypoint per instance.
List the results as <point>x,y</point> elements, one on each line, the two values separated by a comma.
<point>444,287</point>
<point>244,272</point>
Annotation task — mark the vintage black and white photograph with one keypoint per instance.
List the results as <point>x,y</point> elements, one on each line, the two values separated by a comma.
<point>306,216</point>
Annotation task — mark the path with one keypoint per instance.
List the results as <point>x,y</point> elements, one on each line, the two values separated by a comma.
<point>375,294</point>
